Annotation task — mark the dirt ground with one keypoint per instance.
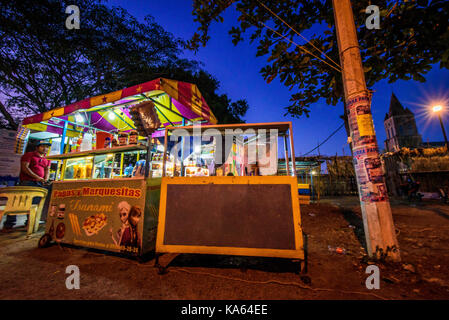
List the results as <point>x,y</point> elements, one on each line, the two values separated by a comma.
<point>27,272</point>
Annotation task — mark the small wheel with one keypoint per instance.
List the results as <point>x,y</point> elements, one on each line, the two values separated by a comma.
<point>44,241</point>
<point>306,280</point>
<point>161,270</point>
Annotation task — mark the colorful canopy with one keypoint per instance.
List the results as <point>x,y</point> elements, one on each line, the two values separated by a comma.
<point>174,101</point>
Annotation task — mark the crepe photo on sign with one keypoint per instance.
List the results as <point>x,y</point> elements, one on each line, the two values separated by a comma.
<point>93,224</point>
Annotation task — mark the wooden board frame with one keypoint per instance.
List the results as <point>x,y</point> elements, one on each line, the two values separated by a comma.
<point>297,253</point>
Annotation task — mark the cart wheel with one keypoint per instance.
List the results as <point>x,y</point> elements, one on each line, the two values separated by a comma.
<point>306,279</point>
<point>161,270</point>
<point>44,241</point>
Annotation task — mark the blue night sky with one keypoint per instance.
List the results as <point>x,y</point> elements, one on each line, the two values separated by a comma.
<point>237,69</point>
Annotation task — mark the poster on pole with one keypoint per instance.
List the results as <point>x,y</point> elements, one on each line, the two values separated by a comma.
<point>9,159</point>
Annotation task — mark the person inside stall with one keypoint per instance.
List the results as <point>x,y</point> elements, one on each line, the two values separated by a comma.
<point>128,172</point>
<point>34,171</point>
<point>255,171</point>
<point>139,169</point>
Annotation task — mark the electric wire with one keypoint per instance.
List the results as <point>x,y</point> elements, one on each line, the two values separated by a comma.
<point>291,28</point>
<point>341,126</point>
<point>285,283</point>
<point>291,41</point>
<point>214,275</point>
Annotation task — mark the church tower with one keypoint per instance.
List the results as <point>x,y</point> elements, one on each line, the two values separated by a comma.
<point>400,125</point>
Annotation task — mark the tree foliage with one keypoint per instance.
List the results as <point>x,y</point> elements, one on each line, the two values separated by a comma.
<point>413,36</point>
<point>43,65</point>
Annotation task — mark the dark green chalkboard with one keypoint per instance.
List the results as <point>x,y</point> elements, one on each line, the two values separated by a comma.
<point>230,215</point>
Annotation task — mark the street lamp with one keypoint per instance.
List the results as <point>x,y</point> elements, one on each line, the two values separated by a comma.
<point>437,109</point>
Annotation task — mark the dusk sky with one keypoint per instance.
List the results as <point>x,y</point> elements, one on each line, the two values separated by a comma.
<point>237,69</point>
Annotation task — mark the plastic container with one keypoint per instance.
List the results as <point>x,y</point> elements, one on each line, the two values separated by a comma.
<point>133,136</point>
<point>103,140</point>
<point>86,144</point>
<point>338,250</point>
<point>123,138</point>
<point>75,147</point>
<point>114,142</point>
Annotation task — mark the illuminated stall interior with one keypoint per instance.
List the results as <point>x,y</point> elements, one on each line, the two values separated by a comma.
<point>99,137</point>
<point>222,150</point>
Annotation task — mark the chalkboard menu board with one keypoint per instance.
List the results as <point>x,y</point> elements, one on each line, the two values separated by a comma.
<point>253,216</point>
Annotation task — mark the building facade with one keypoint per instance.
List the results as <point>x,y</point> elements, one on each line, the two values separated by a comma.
<point>400,126</point>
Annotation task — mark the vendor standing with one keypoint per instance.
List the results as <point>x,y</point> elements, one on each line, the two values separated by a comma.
<point>34,171</point>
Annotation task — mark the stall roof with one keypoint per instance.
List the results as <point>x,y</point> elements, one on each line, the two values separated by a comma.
<point>174,101</point>
<point>282,127</point>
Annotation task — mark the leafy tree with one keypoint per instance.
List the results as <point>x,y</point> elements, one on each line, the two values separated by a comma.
<point>43,65</point>
<point>413,36</point>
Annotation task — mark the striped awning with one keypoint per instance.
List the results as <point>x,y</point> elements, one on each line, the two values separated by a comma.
<point>174,101</point>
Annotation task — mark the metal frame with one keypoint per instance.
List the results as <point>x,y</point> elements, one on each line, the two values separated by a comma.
<point>297,253</point>
<point>285,130</point>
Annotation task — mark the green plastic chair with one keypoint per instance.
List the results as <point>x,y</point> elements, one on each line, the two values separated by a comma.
<point>19,201</point>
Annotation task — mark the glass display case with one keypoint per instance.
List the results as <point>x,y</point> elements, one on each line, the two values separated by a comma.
<point>193,171</point>
<point>106,165</point>
<point>78,168</point>
<point>157,163</point>
<point>118,162</point>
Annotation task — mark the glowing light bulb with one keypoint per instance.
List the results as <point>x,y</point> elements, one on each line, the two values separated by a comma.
<point>437,108</point>
<point>79,118</point>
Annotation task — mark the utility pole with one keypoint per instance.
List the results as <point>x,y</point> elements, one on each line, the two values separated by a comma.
<point>377,218</point>
<point>444,132</point>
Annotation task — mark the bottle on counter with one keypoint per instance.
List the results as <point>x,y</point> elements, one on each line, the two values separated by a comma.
<point>94,142</point>
<point>75,147</point>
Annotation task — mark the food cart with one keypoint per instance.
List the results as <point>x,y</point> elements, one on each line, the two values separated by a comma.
<point>106,163</point>
<point>240,205</point>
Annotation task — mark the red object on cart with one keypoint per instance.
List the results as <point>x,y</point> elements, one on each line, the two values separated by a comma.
<point>103,140</point>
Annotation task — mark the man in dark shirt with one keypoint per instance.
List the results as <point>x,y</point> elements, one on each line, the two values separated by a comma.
<point>34,171</point>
